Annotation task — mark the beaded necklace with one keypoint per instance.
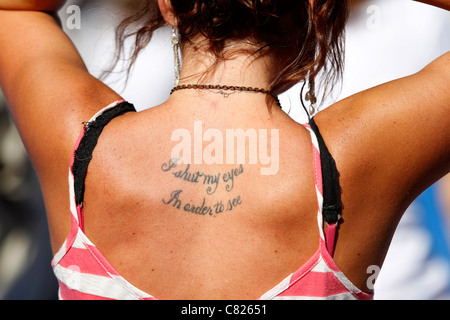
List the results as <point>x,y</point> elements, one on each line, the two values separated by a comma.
<point>224,90</point>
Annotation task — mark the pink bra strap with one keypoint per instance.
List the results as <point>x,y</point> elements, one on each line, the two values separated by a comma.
<point>331,238</point>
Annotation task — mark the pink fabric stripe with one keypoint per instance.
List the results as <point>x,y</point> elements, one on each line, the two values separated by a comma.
<point>317,161</point>
<point>318,170</point>
<point>69,294</point>
<point>82,261</point>
<point>101,260</point>
<point>73,232</point>
<point>80,218</point>
<point>316,284</point>
<point>330,238</point>
<point>305,268</point>
<point>363,296</point>
<point>327,258</point>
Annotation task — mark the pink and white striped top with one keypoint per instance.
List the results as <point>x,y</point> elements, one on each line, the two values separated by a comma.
<point>84,273</point>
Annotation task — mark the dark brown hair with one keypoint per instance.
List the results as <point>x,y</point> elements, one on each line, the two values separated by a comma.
<point>306,40</point>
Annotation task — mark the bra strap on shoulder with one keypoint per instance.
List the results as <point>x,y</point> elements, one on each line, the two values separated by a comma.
<point>332,203</point>
<point>327,187</point>
<point>84,149</point>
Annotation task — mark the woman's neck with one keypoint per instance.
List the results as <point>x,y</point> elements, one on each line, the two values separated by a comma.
<point>239,68</point>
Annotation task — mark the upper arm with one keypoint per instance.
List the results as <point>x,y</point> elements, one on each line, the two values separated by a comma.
<point>36,5</point>
<point>444,4</point>
<point>47,86</point>
<point>394,139</point>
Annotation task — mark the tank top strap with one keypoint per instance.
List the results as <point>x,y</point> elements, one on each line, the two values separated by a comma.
<point>317,178</point>
<point>327,186</point>
<point>82,156</point>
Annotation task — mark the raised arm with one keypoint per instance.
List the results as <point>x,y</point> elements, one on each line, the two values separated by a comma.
<point>32,5</point>
<point>391,142</point>
<point>45,81</point>
<point>50,93</point>
<point>444,4</point>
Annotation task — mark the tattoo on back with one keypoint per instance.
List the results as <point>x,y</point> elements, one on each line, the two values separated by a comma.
<point>211,182</point>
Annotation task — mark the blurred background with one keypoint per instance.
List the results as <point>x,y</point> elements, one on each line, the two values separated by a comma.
<point>386,39</point>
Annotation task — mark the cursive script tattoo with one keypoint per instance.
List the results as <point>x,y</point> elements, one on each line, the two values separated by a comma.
<point>212,183</point>
<point>203,208</point>
<point>211,180</point>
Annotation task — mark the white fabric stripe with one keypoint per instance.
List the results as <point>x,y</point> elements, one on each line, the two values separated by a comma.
<point>346,282</point>
<point>82,238</point>
<point>79,243</point>
<point>93,284</point>
<point>320,215</point>
<point>341,296</point>
<point>314,139</point>
<point>112,105</point>
<point>322,266</point>
<point>283,285</point>
<point>139,293</point>
<point>319,199</point>
<point>73,207</point>
<point>60,254</point>
<point>73,211</point>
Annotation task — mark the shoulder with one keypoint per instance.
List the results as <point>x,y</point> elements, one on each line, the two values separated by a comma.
<point>395,136</point>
